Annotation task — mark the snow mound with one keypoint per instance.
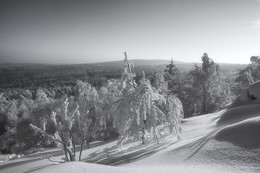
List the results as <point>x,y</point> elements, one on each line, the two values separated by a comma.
<point>245,133</point>
<point>237,114</point>
<point>249,96</point>
<point>242,119</point>
<point>247,105</point>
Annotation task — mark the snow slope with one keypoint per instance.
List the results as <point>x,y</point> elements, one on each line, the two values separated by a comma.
<point>226,141</point>
<point>245,133</point>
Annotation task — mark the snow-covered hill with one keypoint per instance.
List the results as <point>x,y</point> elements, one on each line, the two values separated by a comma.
<point>225,141</point>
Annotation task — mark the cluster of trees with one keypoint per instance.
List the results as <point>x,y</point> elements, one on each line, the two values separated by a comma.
<point>203,89</point>
<point>84,104</point>
<point>131,107</point>
<point>120,107</point>
<point>142,107</point>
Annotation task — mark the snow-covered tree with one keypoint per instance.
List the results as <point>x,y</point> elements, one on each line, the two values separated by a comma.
<point>206,86</point>
<point>172,75</point>
<point>75,120</point>
<point>142,108</point>
<point>41,97</point>
<point>63,136</point>
<point>90,115</point>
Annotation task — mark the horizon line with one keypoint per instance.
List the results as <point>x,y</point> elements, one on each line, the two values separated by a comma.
<point>179,62</point>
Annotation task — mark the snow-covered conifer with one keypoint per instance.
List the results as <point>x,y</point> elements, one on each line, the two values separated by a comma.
<point>142,108</point>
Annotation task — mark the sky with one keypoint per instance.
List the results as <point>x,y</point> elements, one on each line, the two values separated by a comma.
<point>72,31</point>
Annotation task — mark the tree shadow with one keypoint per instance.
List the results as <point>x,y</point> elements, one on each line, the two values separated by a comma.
<point>39,167</point>
<point>194,147</point>
<point>109,156</point>
<point>44,155</point>
<point>19,163</point>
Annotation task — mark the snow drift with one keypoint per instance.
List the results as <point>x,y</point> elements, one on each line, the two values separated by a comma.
<point>245,133</point>
<point>243,117</point>
<point>247,105</point>
<point>240,113</point>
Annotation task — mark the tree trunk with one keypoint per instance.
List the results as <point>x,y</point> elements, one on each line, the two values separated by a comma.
<point>64,147</point>
<point>155,135</point>
<point>204,100</point>
<point>73,142</point>
<point>81,148</point>
<point>143,136</point>
<point>71,155</point>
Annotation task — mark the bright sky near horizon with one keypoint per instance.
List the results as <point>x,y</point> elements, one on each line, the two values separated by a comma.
<point>63,31</point>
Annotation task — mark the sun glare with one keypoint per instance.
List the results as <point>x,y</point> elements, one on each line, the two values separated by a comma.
<point>257,23</point>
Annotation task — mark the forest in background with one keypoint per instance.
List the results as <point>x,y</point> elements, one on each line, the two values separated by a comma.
<point>32,76</point>
<point>30,94</point>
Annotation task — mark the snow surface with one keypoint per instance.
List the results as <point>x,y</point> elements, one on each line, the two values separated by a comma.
<point>226,141</point>
<point>205,147</point>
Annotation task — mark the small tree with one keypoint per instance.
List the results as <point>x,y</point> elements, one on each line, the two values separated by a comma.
<point>63,136</point>
<point>172,75</point>
<point>74,125</point>
<point>90,117</point>
<point>141,108</point>
<point>206,84</point>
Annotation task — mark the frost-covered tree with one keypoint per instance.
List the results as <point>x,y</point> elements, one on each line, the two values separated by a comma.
<point>90,115</point>
<point>63,136</point>
<point>142,108</point>
<point>75,121</point>
<point>172,75</point>
<point>3,103</point>
<point>209,90</point>
<point>41,97</point>
<point>172,106</point>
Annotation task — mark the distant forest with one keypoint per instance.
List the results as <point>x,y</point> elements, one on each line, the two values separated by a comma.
<point>32,76</point>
